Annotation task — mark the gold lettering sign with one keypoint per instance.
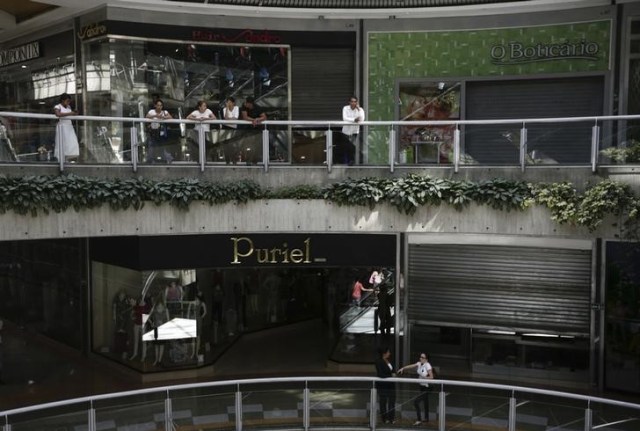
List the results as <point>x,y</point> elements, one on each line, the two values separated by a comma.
<point>244,248</point>
<point>92,30</point>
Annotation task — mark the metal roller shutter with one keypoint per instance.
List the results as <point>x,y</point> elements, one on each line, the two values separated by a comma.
<point>568,143</point>
<point>523,288</point>
<point>322,80</point>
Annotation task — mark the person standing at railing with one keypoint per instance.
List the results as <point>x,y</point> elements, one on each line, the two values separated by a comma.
<point>351,113</point>
<point>202,113</point>
<point>386,390</point>
<point>66,144</point>
<point>230,112</point>
<point>425,372</point>
<point>158,132</point>
<point>250,111</point>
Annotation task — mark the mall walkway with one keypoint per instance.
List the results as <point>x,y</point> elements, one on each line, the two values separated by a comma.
<point>37,370</point>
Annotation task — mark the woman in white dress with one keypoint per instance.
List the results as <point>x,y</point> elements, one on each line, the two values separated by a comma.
<point>66,138</point>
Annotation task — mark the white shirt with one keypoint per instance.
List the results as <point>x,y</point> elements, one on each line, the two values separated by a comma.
<point>351,115</point>
<point>63,110</point>
<point>155,114</point>
<point>233,115</point>
<point>423,371</point>
<point>206,115</point>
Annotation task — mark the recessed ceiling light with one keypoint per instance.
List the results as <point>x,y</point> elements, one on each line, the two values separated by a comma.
<point>24,66</point>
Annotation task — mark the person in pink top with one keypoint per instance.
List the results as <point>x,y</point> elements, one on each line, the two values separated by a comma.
<point>356,292</point>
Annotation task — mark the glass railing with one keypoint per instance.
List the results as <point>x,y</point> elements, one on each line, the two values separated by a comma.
<point>524,143</point>
<point>301,403</point>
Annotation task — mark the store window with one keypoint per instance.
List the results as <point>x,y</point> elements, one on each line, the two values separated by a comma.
<point>427,101</point>
<point>183,318</point>
<point>125,77</point>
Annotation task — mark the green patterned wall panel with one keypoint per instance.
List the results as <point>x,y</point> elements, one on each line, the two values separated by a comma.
<point>443,54</point>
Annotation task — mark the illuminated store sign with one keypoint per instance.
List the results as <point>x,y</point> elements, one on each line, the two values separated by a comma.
<point>245,36</point>
<point>518,53</point>
<point>244,248</point>
<point>92,30</point>
<point>19,54</point>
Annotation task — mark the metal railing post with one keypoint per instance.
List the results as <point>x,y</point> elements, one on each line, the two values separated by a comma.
<point>306,414</point>
<point>60,139</point>
<point>456,149</point>
<point>7,425</point>
<point>134,147</point>
<point>595,146</point>
<point>265,149</point>
<point>168,414</point>
<point>202,148</point>
<point>329,149</point>
<point>392,148</point>
<point>512,413</point>
<point>442,407</point>
<point>373,411</point>
<point>523,148</point>
<point>238,410</point>
<point>588,419</point>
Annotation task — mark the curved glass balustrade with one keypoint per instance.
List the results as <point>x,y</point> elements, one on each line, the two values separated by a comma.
<point>449,143</point>
<point>330,403</point>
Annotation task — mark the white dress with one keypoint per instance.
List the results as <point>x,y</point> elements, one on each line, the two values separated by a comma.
<point>66,135</point>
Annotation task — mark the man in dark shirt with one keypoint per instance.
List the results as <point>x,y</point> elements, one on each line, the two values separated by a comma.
<point>251,141</point>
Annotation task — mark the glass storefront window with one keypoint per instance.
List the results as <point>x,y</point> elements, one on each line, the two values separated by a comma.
<point>124,78</point>
<point>426,101</point>
<point>154,320</point>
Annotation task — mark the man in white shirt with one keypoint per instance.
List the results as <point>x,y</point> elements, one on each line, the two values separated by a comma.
<point>352,113</point>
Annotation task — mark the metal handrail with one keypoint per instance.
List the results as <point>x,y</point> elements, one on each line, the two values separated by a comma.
<point>521,122</point>
<point>441,382</point>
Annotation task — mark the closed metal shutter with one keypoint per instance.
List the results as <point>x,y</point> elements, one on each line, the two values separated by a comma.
<point>322,80</point>
<point>522,288</point>
<point>568,143</point>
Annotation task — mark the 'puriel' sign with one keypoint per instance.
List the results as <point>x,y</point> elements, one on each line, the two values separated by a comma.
<point>519,53</point>
<point>19,54</point>
<point>245,250</point>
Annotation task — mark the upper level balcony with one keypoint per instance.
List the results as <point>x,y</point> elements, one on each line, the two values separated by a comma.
<point>276,152</point>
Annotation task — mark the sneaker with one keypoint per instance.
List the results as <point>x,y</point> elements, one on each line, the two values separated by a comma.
<point>417,423</point>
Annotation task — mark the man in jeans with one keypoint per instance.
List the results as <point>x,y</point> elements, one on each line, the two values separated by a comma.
<point>351,113</point>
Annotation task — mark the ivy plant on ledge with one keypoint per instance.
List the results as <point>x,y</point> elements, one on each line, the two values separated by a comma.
<point>42,194</point>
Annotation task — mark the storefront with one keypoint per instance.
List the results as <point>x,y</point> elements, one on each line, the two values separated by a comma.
<point>177,302</point>
<point>493,307</point>
<point>479,69</point>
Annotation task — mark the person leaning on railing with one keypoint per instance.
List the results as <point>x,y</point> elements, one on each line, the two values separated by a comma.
<point>425,372</point>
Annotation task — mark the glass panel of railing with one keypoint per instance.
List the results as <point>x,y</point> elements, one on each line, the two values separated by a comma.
<point>369,147</point>
<point>27,140</point>
<point>420,145</point>
<point>68,417</point>
<point>264,408</point>
<point>106,142</point>
<point>619,142</point>
<point>490,144</point>
<point>609,417</point>
<point>280,138</point>
<point>470,408</point>
<point>204,408</point>
<point>339,404</point>
<point>142,411</point>
<point>548,412</point>
<point>417,405</point>
<point>164,142</point>
<point>309,145</point>
<point>559,143</point>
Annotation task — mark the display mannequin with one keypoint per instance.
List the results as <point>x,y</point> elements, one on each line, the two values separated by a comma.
<point>159,315</point>
<point>218,298</point>
<point>173,294</point>
<point>121,310</point>
<point>197,310</point>
<point>140,308</point>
